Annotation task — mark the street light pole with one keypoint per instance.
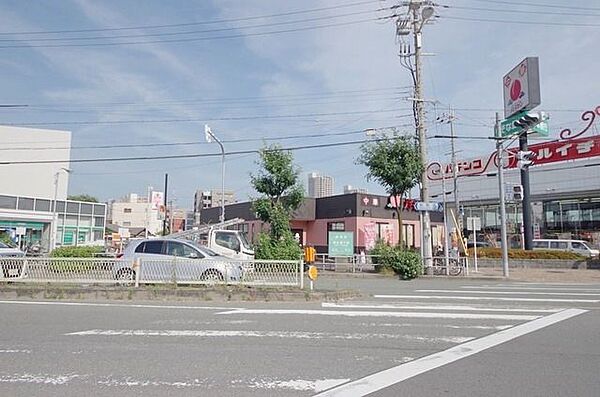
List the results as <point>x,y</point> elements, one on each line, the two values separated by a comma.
<point>54,228</point>
<point>209,137</point>
<point>503,238</point>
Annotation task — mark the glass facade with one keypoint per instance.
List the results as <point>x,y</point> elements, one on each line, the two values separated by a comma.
<point>77,222</point>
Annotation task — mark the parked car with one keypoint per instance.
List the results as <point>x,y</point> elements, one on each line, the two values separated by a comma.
<point>10,269</point>
<point>164,259</point>
<point>576,246</point>
<point>480,244</point>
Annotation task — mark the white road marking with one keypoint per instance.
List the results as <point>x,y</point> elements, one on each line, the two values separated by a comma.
<point>267,334</point>
<point>45,303</point>
<point>400,325</point>
<point>506,292</point>
<point>391,376</point>
<point>15,351</point>
<point>298,384</point>
<point>454,308</point>
<point>484,298</point>
<point>40,378</point>
<point>524,288</point>
<point>348,313</point>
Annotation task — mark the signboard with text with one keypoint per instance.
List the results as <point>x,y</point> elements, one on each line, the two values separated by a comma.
<point>340,244</point>
<point>521,87</point>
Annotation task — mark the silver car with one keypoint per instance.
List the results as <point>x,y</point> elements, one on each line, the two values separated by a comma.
<point>168,260</point>
<point>10,269</point>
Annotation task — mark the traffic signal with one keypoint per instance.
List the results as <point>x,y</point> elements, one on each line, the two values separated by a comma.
<point>517,192</point>
<point>528,120</point>
<point>525,158</point>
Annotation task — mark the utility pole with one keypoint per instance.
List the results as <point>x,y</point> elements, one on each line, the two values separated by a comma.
<point>501,190</point>
<point>165,204</point>
<point>421,12</point>
<point>451,118</point>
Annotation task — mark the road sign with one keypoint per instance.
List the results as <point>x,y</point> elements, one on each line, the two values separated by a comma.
<point>473,223</point>
<point>521,87</point>
<point>341,244</point>
<point>313,273</point>
<point>431,207</point>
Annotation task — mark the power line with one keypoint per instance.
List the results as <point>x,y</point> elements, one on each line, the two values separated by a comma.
<point>170,34</point>
<point>133,145</point>
<point>536,12</point>
<point>190,23</point>
<point>517,22</point>
<point>192,39</point>
<point>189,156</point>
<point>204,119</point>
<point>543,5</point>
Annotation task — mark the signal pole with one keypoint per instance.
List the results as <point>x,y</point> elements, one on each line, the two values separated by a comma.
<point>527,225</point>
<point>501,189</point>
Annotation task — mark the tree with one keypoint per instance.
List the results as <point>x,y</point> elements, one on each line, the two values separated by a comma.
<point>277,181</point>
<point>83,197</point>
<point>395,163</point>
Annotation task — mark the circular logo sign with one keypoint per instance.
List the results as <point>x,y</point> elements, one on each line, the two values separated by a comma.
<point>515,90</point>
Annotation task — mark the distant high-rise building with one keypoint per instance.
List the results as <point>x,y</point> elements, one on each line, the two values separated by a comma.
<point>210,198</point>
<point>348,189</point>
<point>319,185</point>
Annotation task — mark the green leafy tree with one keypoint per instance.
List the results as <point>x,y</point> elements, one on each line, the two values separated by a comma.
<point>394,163</point>
<point>277,182</point>
<point>83,197</point>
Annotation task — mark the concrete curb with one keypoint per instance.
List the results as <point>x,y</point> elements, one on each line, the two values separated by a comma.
<point>165,293</point>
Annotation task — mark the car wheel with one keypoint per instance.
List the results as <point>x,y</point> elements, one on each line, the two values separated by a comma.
<point>212,276</point>
<point>126,276</point>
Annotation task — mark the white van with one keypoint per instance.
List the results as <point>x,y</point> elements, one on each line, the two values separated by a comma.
<point>576,246</point>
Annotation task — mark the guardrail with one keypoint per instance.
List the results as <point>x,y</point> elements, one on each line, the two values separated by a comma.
<point>152,271</point>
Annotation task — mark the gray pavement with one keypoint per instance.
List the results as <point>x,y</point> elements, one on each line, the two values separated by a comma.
<point>307,348</point>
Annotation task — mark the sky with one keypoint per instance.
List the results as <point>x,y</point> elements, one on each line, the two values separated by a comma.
<point>146,76</point>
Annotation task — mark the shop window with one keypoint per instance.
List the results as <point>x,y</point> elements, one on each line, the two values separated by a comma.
<point>42,205</point>
<point>336,226</point>
<point>25,204</point>
<point>86,209</point>
<point>99,222</point>
<point>60,206</point>
<point>72,208</point>
<point>85,221</point>
<point>8,202</point>
<point>127,210</point>
<point>98,209</point>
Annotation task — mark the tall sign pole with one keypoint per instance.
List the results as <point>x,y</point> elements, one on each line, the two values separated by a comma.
<point>521,88</point>
<point>501,190</point>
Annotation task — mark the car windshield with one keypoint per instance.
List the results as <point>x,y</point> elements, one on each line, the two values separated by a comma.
<point>2,245</point>
<point>207,251</point>
<point>245,242</point>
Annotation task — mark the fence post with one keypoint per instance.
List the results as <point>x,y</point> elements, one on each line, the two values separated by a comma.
<point>137,268</point>
<point>301,271</point>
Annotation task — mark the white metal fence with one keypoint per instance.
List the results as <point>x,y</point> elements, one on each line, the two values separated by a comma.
<point>151,271</point>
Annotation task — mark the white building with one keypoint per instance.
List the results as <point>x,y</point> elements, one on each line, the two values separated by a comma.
<point>320,185</point>
<point>208,199</point>
<point>349,189</point>
<point>135,211</point>
<point>35,171</point>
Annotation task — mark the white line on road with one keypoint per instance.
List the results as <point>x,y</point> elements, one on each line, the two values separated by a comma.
<point>360,313</point>
<point>434,307</point>
<point>506,292</point>
<point>267,334</point>
<point>524,288</point>
<point>451,326</point>
<point>391,376</point>
<point>119,305</point>
<point>489,298</point>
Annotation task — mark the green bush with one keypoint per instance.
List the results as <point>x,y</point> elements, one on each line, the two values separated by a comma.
<point>407,264</point>
<point>522,254</point>
<point>76,252</point>
<point>286,248</point>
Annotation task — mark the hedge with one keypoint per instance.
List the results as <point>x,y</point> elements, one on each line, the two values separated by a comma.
<point>522,254</point>
<point>407,264</point>
<point>76,252</point>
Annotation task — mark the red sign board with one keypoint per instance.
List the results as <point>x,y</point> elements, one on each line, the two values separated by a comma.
<point>546,153</point>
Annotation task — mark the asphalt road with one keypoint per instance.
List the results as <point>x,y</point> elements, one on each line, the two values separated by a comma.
<point>423,338</point>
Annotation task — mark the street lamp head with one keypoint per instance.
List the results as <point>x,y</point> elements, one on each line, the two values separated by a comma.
<point>67,170</point>
<point>427,13</point>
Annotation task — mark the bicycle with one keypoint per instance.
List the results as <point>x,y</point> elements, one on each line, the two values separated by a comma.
<point>439,267</point>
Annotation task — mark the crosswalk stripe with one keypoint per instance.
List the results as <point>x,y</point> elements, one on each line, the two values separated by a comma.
<point>519,288</point>
<point>499,298</point>
<point>360,313</point>
<point>506,292</point>
<point>391,376</point>
<point>435,307</point>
